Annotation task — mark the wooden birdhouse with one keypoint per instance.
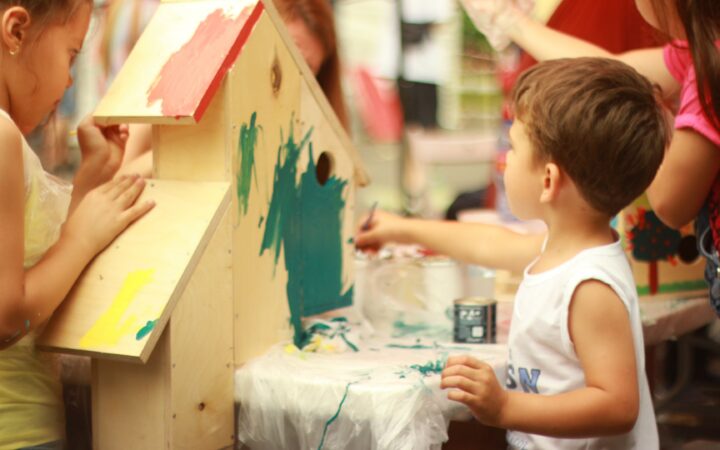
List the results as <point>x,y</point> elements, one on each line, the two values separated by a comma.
<point>254,179</point>
<point>663,260</point>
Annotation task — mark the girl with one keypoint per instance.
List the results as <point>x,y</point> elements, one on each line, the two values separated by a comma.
<point>40,258</point>
<point>688,72</point>
<point>312,27</point>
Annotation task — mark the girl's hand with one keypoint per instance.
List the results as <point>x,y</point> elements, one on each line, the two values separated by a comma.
<point>378,230</point>
<point>102,151</point>
<point>476,387</point>
<point>494,18</point>
<point>105,212</point>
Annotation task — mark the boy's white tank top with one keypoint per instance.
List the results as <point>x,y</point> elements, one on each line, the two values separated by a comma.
<point>542,357</point>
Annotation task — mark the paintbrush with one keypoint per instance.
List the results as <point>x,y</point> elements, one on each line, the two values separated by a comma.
<point>366,225</point>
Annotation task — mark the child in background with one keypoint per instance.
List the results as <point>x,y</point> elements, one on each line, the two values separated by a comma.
<point>587,139</point>
<point>687,186</point>
<point>42,256</point>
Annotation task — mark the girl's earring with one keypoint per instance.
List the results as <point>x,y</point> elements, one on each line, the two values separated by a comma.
<point>14,52</point>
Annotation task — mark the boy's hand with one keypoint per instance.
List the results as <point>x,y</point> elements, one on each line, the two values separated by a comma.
<point>105,212</point>
<point>477,388</point>
<point>102,151</point>
<point>380,229</point>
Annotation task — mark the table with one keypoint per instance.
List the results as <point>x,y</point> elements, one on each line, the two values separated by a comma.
<point>384,396</point>
<point>375,399</point>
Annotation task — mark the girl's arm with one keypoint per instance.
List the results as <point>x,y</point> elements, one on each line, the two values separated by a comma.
<point>544,43</point>
<point>686,175</point>
<point>486,245</point>
<point>29,297</point>
<point>607,405</point>
<point>139,142</point>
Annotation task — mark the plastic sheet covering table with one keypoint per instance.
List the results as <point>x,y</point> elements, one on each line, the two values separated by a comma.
<point>386,396</point>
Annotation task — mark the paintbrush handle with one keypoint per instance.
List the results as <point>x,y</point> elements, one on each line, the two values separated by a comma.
<point>368,221</point>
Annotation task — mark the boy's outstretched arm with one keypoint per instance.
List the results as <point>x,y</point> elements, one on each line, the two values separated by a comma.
<point>486,245</point>
<point>607,405</point>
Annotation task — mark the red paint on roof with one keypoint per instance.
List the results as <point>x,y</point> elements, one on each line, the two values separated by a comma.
<point>191,76</point>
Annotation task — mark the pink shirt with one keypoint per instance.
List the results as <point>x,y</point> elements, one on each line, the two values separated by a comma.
<point>690,113</point>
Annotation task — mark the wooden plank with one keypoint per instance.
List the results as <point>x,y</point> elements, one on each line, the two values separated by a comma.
<point>183,397</point>
<point>261,307</point>
<point>195,152</point>
<point>120,305</point>
<point>361,176</point>
<point>130,402</point>
<point>177,64</point>
<point>201,344</point>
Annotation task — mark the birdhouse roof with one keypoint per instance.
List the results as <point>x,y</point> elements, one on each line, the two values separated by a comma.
<point>179,62</point>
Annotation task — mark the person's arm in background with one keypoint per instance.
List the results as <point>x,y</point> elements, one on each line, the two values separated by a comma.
<point>485,245</point>
<point>544,43</point>
<point>682,184</point>
<point>138,157</point>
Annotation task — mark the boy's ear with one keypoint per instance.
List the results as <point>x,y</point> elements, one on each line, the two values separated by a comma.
<point>15,26</point>
<point>550,182</point>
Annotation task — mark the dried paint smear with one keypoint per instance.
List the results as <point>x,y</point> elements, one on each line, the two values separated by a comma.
<point>118,321</point>
<point>305,219</point>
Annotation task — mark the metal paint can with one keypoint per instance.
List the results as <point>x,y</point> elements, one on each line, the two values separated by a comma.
<point>474,320</point>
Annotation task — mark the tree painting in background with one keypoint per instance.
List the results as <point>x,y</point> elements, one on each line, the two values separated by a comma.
<point>652,241</point>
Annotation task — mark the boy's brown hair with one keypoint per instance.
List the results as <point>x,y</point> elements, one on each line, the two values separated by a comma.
<point>599,121</point>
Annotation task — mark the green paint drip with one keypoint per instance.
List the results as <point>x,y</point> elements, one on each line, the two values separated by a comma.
<point>428,347</point>
<point>402,329</point>
<point>430,368</point>
<point>144,331</point>
<point>306,219</point>
<point>246,144</point>
<point>335,416</point>
<point>411,347</point>
<point>352,346</point>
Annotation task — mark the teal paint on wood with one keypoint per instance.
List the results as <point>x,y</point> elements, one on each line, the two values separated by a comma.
<point>144,331</point>
<point>246,144</point>
<point>305,218</point>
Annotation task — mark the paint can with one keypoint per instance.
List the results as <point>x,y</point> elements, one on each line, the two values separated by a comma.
<point>474,320</point>
<point>442,282</point>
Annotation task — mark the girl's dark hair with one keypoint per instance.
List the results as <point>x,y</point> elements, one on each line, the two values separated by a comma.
<point>318,16</point>
<point>701,21</point>
<point>44,12</point>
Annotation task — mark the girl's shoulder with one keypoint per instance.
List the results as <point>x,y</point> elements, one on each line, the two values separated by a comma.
<point>11,139</point>
<point>678,59</point>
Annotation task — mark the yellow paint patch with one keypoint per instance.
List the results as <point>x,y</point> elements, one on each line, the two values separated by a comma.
<point>116,322</point>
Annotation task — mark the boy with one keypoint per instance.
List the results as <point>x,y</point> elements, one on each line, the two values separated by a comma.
<point>587,139</point>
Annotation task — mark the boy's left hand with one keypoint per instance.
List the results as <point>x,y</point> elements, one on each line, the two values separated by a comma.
<point>477,388</point>
<point>102,149</point>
